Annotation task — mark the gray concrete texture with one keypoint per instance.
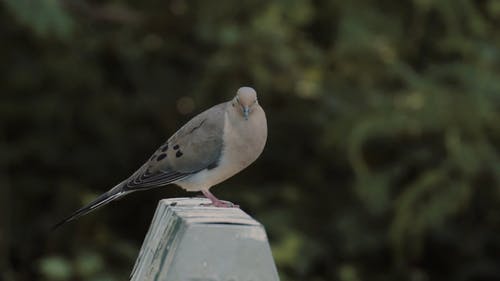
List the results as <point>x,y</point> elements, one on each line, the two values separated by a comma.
<point>192,242</point>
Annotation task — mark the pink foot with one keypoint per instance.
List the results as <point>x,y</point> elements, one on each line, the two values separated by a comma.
<point>216,202</point>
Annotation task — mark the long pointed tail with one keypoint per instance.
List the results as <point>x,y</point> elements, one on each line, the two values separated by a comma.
<point>100,201</point>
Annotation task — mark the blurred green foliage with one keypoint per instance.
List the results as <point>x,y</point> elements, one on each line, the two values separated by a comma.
<point>383,154</point>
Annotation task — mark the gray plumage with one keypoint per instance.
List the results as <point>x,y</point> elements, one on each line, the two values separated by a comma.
<point>210,148</point>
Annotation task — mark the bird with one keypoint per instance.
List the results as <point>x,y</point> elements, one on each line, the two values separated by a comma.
<point>210,148</point>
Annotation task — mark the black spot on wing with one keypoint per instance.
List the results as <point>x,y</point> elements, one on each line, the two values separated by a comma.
<point>178,154</point>
<point>161,157</point>
<point>176,147</point>
<point>164,147</point>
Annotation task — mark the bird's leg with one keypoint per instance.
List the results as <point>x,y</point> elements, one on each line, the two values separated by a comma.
<point>217,202</point>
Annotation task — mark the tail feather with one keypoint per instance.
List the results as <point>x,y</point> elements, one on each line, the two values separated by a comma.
<point>100,201</point>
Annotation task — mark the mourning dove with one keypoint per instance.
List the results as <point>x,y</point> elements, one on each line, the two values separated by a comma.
<point>210,148</point>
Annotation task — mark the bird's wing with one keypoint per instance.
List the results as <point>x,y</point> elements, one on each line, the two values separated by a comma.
<point>194,147</point>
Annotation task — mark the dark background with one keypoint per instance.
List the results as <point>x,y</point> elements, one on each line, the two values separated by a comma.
<point>382,160</point>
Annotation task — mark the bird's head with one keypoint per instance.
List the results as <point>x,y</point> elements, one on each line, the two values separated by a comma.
<point>244,101</point>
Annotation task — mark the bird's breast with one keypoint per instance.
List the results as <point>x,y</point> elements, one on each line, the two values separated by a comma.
<point>243,142</point>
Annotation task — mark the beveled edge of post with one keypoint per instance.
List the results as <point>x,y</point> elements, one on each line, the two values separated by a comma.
<point>195,210</point>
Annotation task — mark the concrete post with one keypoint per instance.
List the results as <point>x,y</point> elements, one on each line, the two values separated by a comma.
<point>191,242</point>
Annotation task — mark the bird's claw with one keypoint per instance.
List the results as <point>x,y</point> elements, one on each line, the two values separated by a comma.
<point>221,204</point>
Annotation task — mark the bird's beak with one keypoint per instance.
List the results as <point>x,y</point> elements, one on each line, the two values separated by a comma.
<point>245,112</point>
